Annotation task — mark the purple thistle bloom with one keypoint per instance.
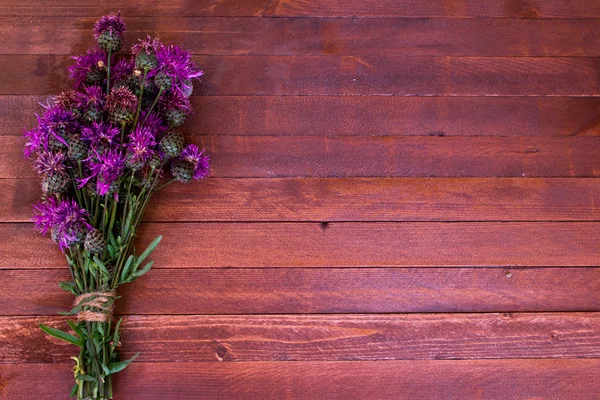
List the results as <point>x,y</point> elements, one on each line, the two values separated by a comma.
<point>140,146</point>
<point>106,168</point>
<point>201,161</point>
<point>65,218</point>
<point>101,135</point>
<point>88,66</point>
<point>58,123</point>
<point>176,100</point>
<point>69,99</point>
<point>177,64</point>
<point>122,69</point>
<point>121,98</point>
<point>148,46</point>
<point>111,23</point>
<point>51,163</point>
<point>154,123</point>
<point>92,96</point>
<point>36,140</point>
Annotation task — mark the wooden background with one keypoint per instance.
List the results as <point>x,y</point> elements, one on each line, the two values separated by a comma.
<point>404,203</point>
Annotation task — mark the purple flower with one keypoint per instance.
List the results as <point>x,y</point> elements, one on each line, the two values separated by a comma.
<point>177,64</point>
<point>88,68</point>
<point>176,100</point>
<point>68,100</point>
<point>122,69</point>
<point>148,46</point>
<point>101,135</point>
<point>50,163</point>
<point>154,123</point>
<point>36,139</point>
<point>112,24</point>
<point>200,161</point>
<point>140,146</point>
<point>92,96</point>
<point>121,103</point>
<point>106,168</point>
<point>64,218</point>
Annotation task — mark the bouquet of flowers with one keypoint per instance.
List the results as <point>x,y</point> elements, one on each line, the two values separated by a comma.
<point>101,151</point>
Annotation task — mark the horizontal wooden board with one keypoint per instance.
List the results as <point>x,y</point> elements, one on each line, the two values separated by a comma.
<point>319,8</point>
<point>310,156</point>
<point>346,75</point>
<point>320,290</point>
<point>322,337</point>
<point>352,199</point>
<point>363,116</point>
<point>318,36</point>
<point>341,380</point>
<point>430,244</point>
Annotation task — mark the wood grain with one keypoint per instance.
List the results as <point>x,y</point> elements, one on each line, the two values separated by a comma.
<point>318,36</point>
<point>323,338</point>
<point>428,244</point>
<point>320,290</point>
<point>341,380</point>
<point>309,156</point>
<point>352,199</point>
<point>346,75</point>
<point>319,8</point>
<point>364,116</point>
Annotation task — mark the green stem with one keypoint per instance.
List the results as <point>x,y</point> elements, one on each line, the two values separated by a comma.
<point>165,184</point>
<point>108,72</point>
<point>160,92</point>
<point>139,107</point>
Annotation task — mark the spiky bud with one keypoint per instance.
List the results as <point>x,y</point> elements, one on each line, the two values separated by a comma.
<point>182,170</point>
<point>78,148</point>
<point>172,144</point>
<point>95,241</point>
<point>163,81</point>
<point>175,117</point>
<point>55,184</point>
<point>145,61</point>
<point>154,161</point>
<point>134,163</point>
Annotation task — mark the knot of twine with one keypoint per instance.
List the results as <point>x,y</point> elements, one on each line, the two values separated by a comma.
<point>101,304</point>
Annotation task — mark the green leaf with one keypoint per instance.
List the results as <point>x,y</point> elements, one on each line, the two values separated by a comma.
<point>67,287</point>
<point>101,265</point>
<point>85,378</point>
<point>127,268</point>
<point>148,250</point>
<point>74,390</point>
<point>62,335</point>
<point>117,336</point>
<point>142,271</point>
<point>76,329</point>
<point>120,366</point>
<point>105,369</point>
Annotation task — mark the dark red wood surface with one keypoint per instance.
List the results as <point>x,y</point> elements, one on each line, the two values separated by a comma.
<point>404,203</point>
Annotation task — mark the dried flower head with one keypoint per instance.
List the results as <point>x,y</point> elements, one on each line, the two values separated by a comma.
<point>121,104</point>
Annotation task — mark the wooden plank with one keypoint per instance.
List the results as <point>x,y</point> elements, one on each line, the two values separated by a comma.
<point>320,290</point>
<point>346,75</point>
<point>322,337</point>
<point>364,116</point>
<point>352,199</point>
<point>318,8</point>
<point>415,380</point>
<point>318,36</point>
<point>322,157</point>
<point>428,244</point>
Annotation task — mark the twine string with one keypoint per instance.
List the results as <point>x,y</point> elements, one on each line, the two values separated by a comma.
<point>100,304</point>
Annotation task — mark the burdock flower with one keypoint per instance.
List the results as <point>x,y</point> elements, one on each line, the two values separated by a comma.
<point>139,148</point>
<point>69,101</point>
<point>106,168</point>
<point>121,104</point>
<point>192,163</point>
<point>102,136</point>
<point>145,53</point>
<point>175,69</point>
<point>89,68</point>
<point>109,31</point>
<point>176,107</point>
<point>65,219</point>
